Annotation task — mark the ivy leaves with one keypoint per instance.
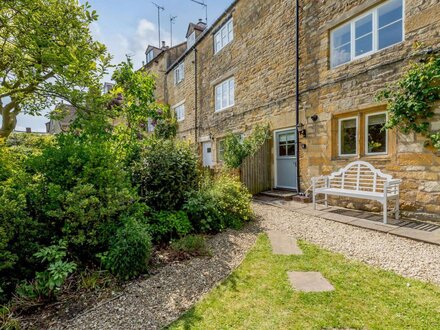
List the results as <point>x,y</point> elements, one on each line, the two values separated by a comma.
<point>412,99</point>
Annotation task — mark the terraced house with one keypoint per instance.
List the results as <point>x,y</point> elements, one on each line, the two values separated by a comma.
<point>317,91</point>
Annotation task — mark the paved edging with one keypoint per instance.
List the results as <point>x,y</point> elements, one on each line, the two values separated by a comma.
<point>404,232</point>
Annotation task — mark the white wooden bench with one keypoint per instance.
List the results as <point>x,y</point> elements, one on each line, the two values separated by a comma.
<point>359,180</point>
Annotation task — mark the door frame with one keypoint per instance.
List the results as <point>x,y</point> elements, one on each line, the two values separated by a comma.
<point>275,154</point>
<point>203,153</point>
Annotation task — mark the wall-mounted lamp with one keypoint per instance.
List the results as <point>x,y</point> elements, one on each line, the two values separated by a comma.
<point>303,145</point>
<point>211,137</point>
<point>303,132</point>
<point>314,117</point>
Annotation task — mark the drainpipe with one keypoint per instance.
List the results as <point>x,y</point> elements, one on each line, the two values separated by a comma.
<point>298,179</point>
<point>195,98</point>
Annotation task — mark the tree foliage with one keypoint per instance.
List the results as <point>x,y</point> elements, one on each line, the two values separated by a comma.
<point>47,53</point>
<point>237,149</point>
<point>412,99</point>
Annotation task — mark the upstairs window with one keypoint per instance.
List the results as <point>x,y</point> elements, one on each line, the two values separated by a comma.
<point>377,29</point>
<point>180,112</point>
<point>224,36</point>
<point>150,56</point>
<point>191,40</point>
<point>179,73</point>
<point>225,94</point>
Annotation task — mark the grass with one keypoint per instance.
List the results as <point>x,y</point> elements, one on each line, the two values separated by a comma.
<point>258,296</point>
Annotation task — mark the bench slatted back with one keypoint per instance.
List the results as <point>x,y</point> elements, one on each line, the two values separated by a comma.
<point>359,176</point>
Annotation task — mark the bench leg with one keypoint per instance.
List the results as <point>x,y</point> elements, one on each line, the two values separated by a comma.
<point>326,201</point>
<point>314,201</point>
<point>385,211</point>
<point>397,214</point>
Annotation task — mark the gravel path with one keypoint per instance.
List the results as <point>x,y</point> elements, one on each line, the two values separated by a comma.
<point>162,298</point>
<point>403,256</point>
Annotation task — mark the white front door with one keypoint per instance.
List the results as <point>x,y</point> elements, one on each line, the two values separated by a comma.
<point>207,154</point>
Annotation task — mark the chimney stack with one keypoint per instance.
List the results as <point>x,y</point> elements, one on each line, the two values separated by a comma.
<point>164,45</point>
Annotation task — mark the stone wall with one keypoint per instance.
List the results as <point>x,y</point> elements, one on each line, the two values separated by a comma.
<point>351,88</point>
<point>261,60</point>
<point>184,92</point>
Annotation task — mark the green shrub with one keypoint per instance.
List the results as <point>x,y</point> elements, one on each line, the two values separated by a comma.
<point>194,245</point>
<point>219,204</point>
<point>130,251</point>
<point>49,282</point>
<point>166,171</point>
<point>83,192</point>
<point>166,225</point>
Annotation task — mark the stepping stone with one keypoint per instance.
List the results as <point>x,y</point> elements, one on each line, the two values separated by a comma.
<point>283,244</point>
<point>309,282</point>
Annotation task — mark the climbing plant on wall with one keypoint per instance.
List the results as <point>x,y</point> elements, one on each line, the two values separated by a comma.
<point>412,100</point>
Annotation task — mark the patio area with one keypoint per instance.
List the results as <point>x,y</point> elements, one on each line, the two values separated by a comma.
<point>416,230</point>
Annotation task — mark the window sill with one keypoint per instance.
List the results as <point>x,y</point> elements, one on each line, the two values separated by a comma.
<point>224,109</point>
<point>363,157</point>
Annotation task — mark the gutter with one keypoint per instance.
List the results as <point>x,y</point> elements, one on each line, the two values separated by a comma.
<point>297,93</point>
<point>196,135</point>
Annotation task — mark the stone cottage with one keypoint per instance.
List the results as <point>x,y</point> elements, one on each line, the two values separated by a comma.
<point>241,71</point>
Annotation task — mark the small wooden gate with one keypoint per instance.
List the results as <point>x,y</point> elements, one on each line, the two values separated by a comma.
<point>256,171</point>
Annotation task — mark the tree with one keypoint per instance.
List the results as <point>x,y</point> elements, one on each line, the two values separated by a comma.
<point>47,54</point>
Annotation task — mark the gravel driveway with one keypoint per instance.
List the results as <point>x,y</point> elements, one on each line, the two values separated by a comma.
<point>403,256</point>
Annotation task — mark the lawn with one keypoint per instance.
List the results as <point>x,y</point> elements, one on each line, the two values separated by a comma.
<point>258,296</point>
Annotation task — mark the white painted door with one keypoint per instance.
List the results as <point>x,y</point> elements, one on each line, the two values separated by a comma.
<point>207,154</point>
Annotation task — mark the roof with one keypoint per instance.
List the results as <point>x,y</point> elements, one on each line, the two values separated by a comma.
<point>203,35</point>
<point>200,26</point>
<point>162,52</point>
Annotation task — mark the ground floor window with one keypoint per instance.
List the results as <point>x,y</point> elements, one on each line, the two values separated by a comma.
<point>376,134</point>
<point>221,150</point>
<point>361,134</point>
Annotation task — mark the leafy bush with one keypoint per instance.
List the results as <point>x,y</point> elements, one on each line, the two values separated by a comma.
<point>83,192</point>
<point>412,99</point>
<point>167,224</point>
<point>194,245</point>
<point>166,171</point>
<point>130,251</point>
<point>237,148</point>
<point>219,204</point>
<point>48,282</point>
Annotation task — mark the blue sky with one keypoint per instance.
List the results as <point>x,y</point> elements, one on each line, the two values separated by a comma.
<point>128,26</point>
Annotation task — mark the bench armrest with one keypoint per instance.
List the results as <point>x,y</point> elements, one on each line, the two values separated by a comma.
<point>394,182</point>
<point>320,181</point>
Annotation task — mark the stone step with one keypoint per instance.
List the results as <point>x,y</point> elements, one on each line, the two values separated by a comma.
<point>283,244</point>
<point>280,194</point>
<point>309,282</point>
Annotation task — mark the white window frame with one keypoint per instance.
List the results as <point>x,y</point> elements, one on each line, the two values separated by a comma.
<point>375,48</point>
<point>340,136</point>
<point>150,56</point>
<point>176,108</point>
<point>226,35</point>
<point>230,97</point>
<point>219,142</point>
<point>191,40</point>
<point>150,126</point>
<point>366,134</point>
<point>179,73</point>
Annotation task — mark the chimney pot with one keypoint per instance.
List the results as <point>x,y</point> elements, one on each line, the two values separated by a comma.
<point>163,44</point>
<point>28,130</point>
